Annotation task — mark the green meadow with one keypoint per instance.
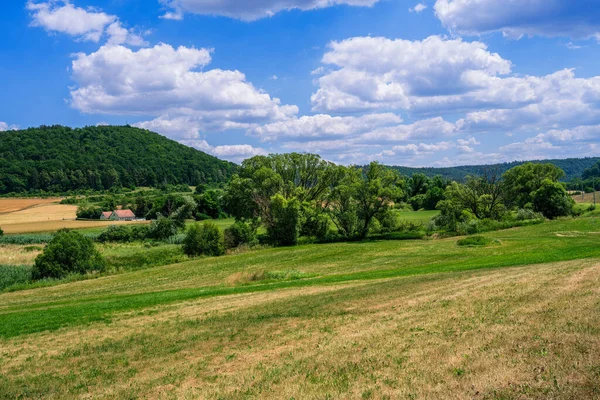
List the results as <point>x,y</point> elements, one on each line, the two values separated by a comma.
<point>341,320</point>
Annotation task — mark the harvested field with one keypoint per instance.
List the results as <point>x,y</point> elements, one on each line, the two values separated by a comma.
<point>12,205</point>
<point>586,198</point>
<point>48,218</point>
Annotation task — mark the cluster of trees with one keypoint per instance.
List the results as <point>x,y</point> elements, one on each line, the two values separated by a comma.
<point>59,159</point>
<point>295,195</point>
<point>205,203</point>
<point>528,187</point>
<point>589,181</point>
<point>573,168</point>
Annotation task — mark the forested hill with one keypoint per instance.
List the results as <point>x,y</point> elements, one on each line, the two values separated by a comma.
<point>58,159</point>
<point>573,168</point>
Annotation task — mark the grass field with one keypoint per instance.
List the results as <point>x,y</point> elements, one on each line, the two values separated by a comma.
<point>384,319</point>
<point>587,198</point>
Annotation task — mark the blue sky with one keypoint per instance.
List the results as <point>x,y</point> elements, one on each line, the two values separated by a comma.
<point>418,83</point>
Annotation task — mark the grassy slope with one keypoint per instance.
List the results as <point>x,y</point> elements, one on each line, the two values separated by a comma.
<point>376,309</point>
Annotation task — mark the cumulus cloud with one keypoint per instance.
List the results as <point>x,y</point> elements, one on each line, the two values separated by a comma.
<point>83,24</point>
<point>250,10</point>
<point>516,18</point>
<point>580,141</point>
<point>6,127</point>
<point>418,8</point>
<point>377,72</point>
<point>235,153</point>
<point>170,85</point>
<point>323,126</point>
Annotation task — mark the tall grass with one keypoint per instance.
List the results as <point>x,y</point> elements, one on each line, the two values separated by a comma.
<point>34,238</point>
<point>11,275</point>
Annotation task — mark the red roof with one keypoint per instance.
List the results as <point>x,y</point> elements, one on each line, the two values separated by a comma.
<point>125,213</point>
<point>107,214</point>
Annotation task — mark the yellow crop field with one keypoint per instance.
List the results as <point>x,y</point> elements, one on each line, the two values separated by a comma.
<point>12,205</point>
<point>45,218</point>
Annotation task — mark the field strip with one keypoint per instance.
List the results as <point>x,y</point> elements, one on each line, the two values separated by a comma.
<point>28,319</point>
<point>8,206</point>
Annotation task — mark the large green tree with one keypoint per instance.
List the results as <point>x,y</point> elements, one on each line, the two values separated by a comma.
<point>520,182</point>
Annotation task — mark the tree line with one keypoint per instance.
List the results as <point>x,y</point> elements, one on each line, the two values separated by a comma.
<point>59,159</point>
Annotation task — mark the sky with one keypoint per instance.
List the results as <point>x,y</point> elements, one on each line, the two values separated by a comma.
<point>403,82</point>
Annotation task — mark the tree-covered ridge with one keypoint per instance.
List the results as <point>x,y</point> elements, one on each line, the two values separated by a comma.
<point>58,159</point>
<point>573,168</point>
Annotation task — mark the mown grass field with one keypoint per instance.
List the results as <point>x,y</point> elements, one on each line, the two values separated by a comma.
<point>381,319</point>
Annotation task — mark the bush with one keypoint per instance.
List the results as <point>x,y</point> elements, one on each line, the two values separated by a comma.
<point>238,234</point>
<point>205,239</point>
<point>69,252</point>
<point>526,214</point>
<point>162,228</point>
<point>1,232</point>
<point>89,212</point>
<point>124,234</point>
<point>552,200</point>
<point>477,241</point>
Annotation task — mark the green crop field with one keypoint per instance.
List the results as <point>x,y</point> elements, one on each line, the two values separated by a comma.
<point>375,319</point>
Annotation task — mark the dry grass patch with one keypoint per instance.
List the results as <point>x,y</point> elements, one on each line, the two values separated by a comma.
<point>12,205</point>
<point>19,255</point>
<point>528,332</point>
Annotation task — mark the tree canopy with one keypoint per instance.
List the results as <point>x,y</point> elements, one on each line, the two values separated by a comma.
<point>60,159</point>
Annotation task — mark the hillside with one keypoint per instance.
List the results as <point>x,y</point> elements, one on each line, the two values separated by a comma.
<point>573,168</point>
<point>57,159</point>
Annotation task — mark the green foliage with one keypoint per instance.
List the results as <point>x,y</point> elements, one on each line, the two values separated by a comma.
<point>124,233</point>
<point>87,211</point>
<point>69,252</point>
<point>528,214</point>
<point>60,159</point>
<point>1,232</point>
<point>592,172</point>
<point>573,167</point>
<point>552,200</point>
<point>162,228</point>
<point>315,223</point>
<point>477,241</point>
<point>28,238</point>
<point>482,196</point>
<point>205,239</point>
<point>520,182</point>
<point>14,274</point>
<point>283,226</point>
<point>240,233</point>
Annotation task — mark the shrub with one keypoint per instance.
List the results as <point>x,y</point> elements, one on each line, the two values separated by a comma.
<point>205,239</point>
<point>124,234</point>
<point>89,212</point>
<point>238,234</point>
<point>527,214</point>
<point>477,241</point>
<point>162,228</point>
<point>552,200</point>
<point>1,232</point>
<point>69,252</point>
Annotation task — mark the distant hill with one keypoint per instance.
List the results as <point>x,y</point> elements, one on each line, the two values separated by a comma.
<point>58,159</point>
<point>573,168</point>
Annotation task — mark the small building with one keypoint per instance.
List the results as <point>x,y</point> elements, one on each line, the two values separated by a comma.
<point>106,215</point>
<point>122,215</point>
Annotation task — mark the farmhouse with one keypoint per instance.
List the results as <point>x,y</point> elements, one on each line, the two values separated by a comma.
<point>118,215</point>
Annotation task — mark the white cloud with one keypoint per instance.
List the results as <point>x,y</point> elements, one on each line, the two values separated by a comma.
<point>6,127</point>
<point>88,25</point>
<point>168,84</point>
<point>419,130</point>
<point>581,141</point>
<point>376,72</point>
<point>235,153</point>
<point>323,126</point>
<point>516,18</point>
<point>250,10</point>
<point>418,8</point>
